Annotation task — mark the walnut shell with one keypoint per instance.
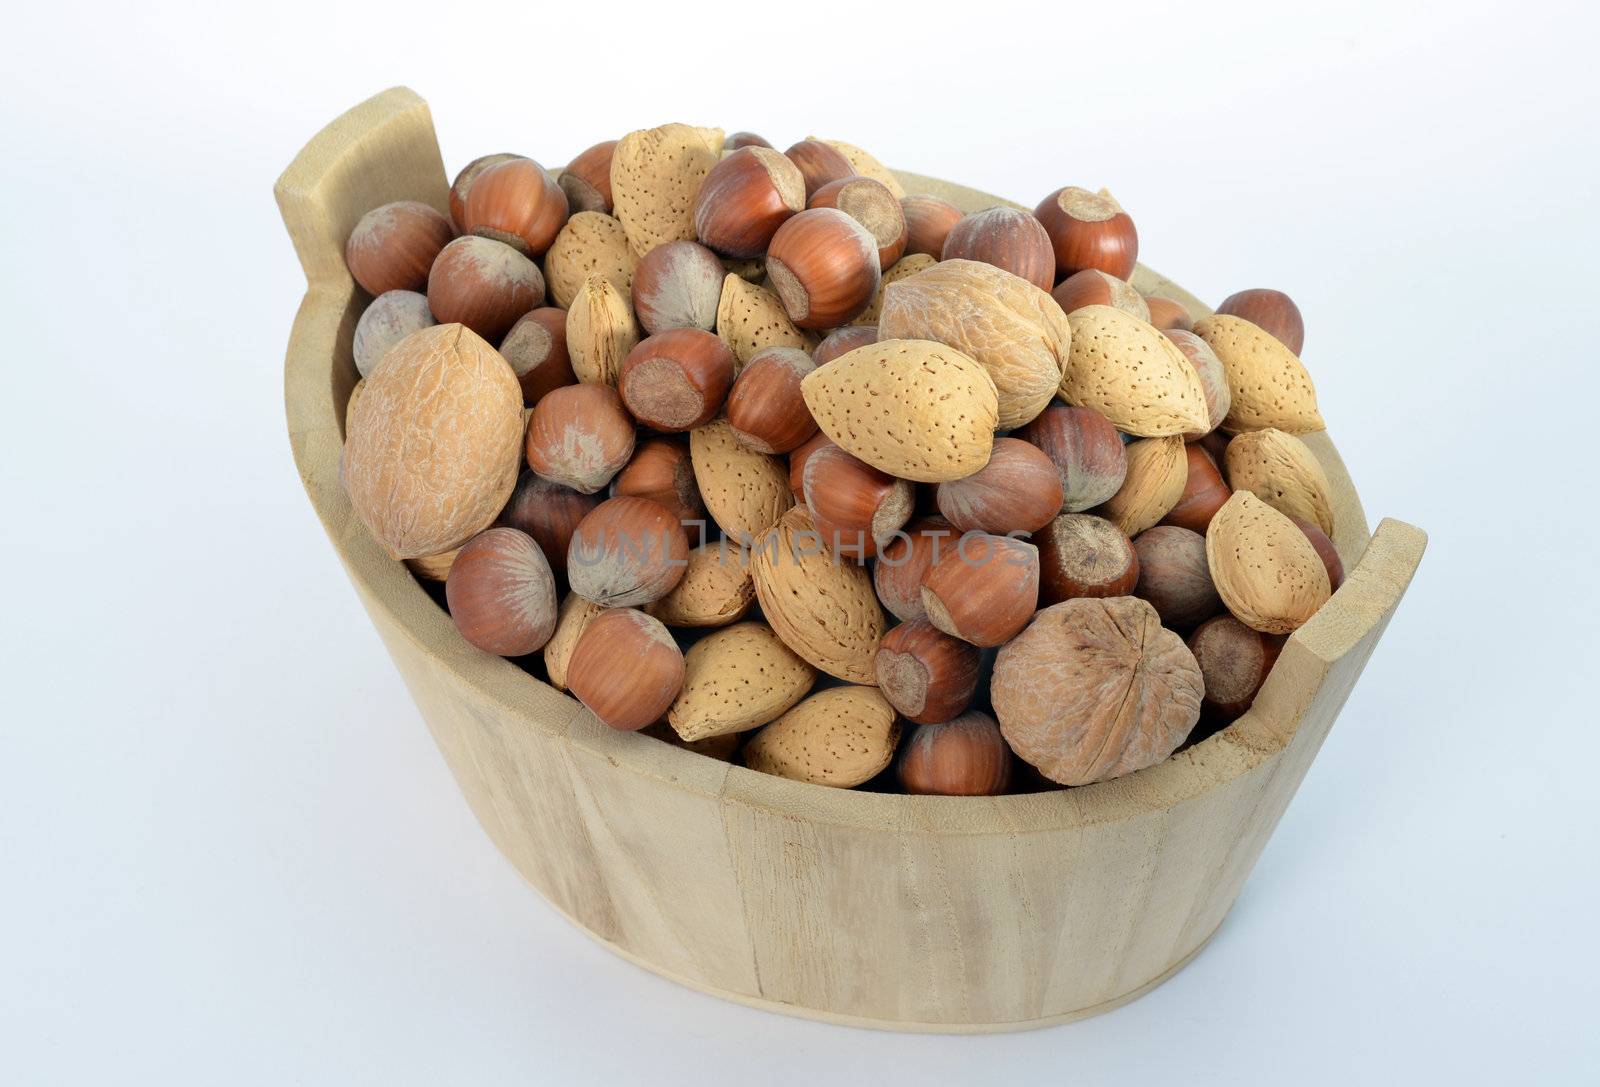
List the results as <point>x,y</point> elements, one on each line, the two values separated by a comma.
<point>1094,689</point>
<point>434,443</point>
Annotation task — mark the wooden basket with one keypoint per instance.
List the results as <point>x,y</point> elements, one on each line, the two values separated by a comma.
<point>903,912</point>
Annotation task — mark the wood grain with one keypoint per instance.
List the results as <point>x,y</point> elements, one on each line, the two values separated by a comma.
<point>905,912</point>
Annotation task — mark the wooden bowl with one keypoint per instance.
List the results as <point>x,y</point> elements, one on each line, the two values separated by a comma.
<point>904,912</point>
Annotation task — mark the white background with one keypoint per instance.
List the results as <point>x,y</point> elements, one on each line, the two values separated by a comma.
<point>229,852</point>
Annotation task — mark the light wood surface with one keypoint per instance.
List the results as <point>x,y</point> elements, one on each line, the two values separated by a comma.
<point>905,912</point>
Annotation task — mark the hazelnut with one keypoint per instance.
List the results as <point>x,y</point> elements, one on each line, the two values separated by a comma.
<point>1271,310</point>
<point>1235,661</point>
<point>765,407</point>
<point>662,471</point>
<point>1166,313</point>
<point>797,464</point>
<point>824,266</point>
<point>626,669</point>
<point>501,593</point>
<point>984,589</point>
<point>392,317</point>
<point>1092,287</point>
<point>856,507</point>
<point>1174,576</point>
<point>626,553</point>
<point>463,183</point>
<point>536,348</point>
<point>515,202</point>
<point>587,179</point>
<point>1087,451</point>
<point>897,575</point>
<point>1328,553</point>
<point>1089,230</point>
<point>1081,555</point>
<point>928,223</point>
<point>1006,238</point>
<point>841,341</point>
<point>393,246</point>
<point>1216,446</point>
<point>1017,491</point>
<point>1213,376</point>
<point>580,436</point>
<point>676,380</point>
<point>483,284</point>
<point>1203,495</point>
<point>743,139</point>
<point>678,285</point>
<point>927,675</point>
<point>819,163</point>
<point>871,204</point>
<point>964,757</point>
<point>549,513</point>
<point>745,199</point>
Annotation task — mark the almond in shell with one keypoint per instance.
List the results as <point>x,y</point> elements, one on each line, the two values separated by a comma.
<point>715,590</point>
<point>750,317</point>
<point>1133,375</point>
<point>735,680</point>
<point>1158,468</point>
<point>655,176</point>
<point>1283,472</point>
<point>591,243</point>
<point>572,620</point>
<point>840,737</point>
<point>600,331</point>
<point>744,491</point>
<point>907,266</point>
<point>1269,384</point>
<point>1265,569</point>
<point>867,166</point>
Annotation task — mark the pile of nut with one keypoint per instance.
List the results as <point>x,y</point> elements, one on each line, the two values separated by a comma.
<point>835,480</point>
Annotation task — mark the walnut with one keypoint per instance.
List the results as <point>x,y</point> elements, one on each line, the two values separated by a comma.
<point>1094,689</point>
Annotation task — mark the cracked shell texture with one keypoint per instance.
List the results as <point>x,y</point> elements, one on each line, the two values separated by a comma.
<point>433,447</point>
<point>1269,385</point>
<point>1014,329</point>
<point>744,491</point>
<point>591,243</point>
<point>1266,571</point>
<point>1158,469</point>
<point>715,590</point>
<point>866,165</point>
<point>823,609</point>
<point>1094,689</point>
<point>1132,374</point>
<point>735,680</point>
<point>907,266</point>
<point>600,331</point>
<point>840,737</point>
<point>915,409</point>
<point>655,175</point>
<point>751,317</point>
<point>1283,472</point>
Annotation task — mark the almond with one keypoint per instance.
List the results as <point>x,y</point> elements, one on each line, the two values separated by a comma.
<point>1270,386</point>
<point>600,331</point>
<point>574,617</point>
<point>823,609</point>
<point>1283,473</point>
<point>1157,471</point>
<point>591,243</point>
<point>1014,329</point>
<point>915,409</point>
<point>904,268</point>
<point>867,166</point>
<point>736,680</point>
<point>655,175</point>
<point>840,737</point>
<point>1133,375</point>
<point>750,318</point>
<point>715,590</point>
<point>744,491</point>
<point>1265,569</point>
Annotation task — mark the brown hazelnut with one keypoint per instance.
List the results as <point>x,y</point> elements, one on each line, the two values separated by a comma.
<point>1213,376</point>
<point>824,266</point>
<point>483,284</point>
<point>463,183</point>
<point>797,464</point>
<point>871,204</point>
<point>737,140</point>
<point>676,380</point>
<point>928,223</point>
<point>897,575</point>
<point>548,512</point>
<point>1328,553</point>
<point>765,407</point>
<point>501,593</point>
<point>926,674</point>
<point>1174,576</point>
<point>580,436</point>
<point>1270,310</point>
<point>1017,491</point>
<point>1092,287</point>
<point>856,507</point>
<point>964,757</point>
<point>1216,446</point>
<point>841,341</point>
<point>1006,238</point>
<point>587,179</point>
<point>1203,495</point>
<point>1081,555</point>
<point>627,553</point>
<point>678,285</point>
<point>819,163</point>
<point>745,198</point>
<point>1089,230</point>
<point>536,348</point>
<point>1166,313</point>
<point>626,669</point>
<point>1235,661</point>
<point>393,246</point>
<point>515,202</point>
<point>392,317</point>
<point>984,589</point>
<point>1087,451</point>
<point>662,471</point>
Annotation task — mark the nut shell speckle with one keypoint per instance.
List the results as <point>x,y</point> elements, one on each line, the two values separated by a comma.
<point>1133,375</point>
<point>737,679</point>
<point>840,737</point>
<point>655,175</point>
<point>1268,384</point>
<point>1264,567</point>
